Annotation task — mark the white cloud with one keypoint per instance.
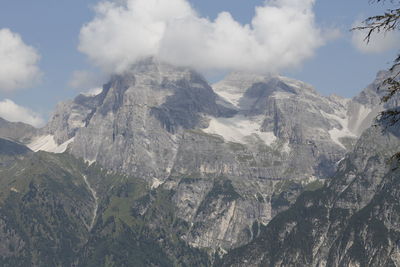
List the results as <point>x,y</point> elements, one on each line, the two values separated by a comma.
<point>282,34</point>
<point>378,43</point>
<point>15,113</point>
<point>82,79</point>
<point>18,62</point>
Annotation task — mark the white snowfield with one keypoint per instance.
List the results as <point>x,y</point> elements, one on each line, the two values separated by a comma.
<point>236,129</point>
<point>336,133</point>
<point>353,122</point>
<point>232,98</point>
<point>46,143</point>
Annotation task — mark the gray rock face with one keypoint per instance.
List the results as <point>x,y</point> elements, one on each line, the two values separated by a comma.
<point>71,116</point>
<point>217,191</point>
<point>317,130</point>
<point>138,124</point>
<point>350,222</point>
<point>234,155</point>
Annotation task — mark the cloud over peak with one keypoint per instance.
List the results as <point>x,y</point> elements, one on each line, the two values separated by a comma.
<point>18,62</point>
<point>281,35</point>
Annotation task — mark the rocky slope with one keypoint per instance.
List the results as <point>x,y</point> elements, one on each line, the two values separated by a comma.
<point>352,221</point>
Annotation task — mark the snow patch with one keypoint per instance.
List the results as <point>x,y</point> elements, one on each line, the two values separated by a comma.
<point>309,180</point>
<point>90,162</point>
<point>232,98</point>
<point>13,189</point>
<point>336,134</point>
<point>351,120</point>
<point>47,143</point>
<point>93,92</point>
<point>236,129</point>
<point>340,161</point>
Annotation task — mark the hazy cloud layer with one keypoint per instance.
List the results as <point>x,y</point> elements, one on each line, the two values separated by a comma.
<point>282,34</point>
<point>378,43</point>
<point>18,62</point>
<point>14,113</point>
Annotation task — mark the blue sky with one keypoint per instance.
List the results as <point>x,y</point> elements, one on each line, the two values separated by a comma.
<point>52,28</point>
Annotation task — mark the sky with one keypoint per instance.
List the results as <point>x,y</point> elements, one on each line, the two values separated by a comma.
<point>50,51</point>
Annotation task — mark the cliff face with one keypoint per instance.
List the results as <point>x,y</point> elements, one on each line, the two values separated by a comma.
<point>353,221</point>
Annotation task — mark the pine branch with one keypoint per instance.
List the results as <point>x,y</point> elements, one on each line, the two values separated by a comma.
<point>392,85</point>
<point>391,116</point>
<point>389,21</point>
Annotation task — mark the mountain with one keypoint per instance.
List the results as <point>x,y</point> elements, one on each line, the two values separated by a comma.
<point>142,116</point>
<point>135,124</point>
<point>163,169</point>
<point>231,155</point>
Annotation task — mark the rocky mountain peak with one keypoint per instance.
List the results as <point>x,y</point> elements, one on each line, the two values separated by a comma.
<point>158,101</point>
<point>240,85</point>
<point>152,70</point>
